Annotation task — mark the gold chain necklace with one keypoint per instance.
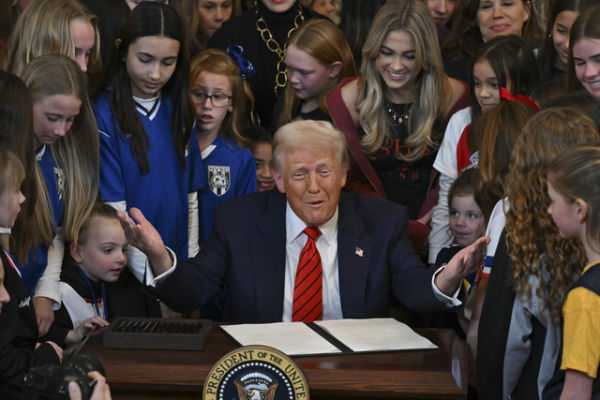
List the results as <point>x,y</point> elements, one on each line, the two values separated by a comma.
<point>398,117</point>
<point>273,45</point>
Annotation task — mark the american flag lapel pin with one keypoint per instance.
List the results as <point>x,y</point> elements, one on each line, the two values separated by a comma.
<point>359,252</point>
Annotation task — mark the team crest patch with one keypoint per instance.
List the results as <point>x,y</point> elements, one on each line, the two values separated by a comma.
<point>255,373</point>
<point>219,179</point>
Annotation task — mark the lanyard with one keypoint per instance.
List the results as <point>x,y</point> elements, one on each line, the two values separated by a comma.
<point>87,280</point>
<point>12,263</point>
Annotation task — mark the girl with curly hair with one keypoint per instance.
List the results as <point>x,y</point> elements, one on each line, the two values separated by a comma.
<point>519,328</point>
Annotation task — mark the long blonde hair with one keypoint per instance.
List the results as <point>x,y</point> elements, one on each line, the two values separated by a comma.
<point>413,17</point>
<point>77,151</point>
<point>323,40</point>
<point>529,228</point>
<point>45,28</point>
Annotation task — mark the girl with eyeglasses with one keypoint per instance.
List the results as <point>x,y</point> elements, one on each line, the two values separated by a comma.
<point>221,98</point>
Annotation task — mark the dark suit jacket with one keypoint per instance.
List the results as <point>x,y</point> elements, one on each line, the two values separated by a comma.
<point>246,250</point>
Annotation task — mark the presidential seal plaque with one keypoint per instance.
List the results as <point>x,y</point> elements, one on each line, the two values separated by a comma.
<point>255,373</point>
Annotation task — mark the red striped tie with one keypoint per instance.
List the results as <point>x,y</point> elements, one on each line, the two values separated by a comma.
<point>307,305</point>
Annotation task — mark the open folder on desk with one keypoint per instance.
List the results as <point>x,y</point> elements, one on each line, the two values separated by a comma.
<point>331,337</point>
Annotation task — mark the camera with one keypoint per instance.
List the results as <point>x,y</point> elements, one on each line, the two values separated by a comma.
<point>52,382</point>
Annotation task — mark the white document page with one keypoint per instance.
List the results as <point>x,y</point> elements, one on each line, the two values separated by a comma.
<point>292,338</point>
<point>375,334</point>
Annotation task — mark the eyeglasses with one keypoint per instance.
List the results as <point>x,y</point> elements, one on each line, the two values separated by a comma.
<point>217,99</point>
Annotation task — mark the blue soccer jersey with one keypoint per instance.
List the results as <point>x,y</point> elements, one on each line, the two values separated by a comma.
<point>162,193</point>
<point>54,178</point>
<point>231,172</point>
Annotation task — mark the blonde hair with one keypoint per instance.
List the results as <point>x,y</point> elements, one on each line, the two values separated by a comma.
<point>309,135</point>
<point>77,151</point>
<point>12,171</point>
<point>412,17</point>
<point>324,41</point>
<point>529,228</point>
<point>219,63</point>
<point>575,174</point>
<point>45,28</point>
<point>98,211</point>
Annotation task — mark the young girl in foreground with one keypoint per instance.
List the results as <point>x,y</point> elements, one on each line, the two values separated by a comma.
<point>530,270</point>
<point>66,145</point>
<point>99,257</point>
<point>145,123</point>
<point>467,219</point>
<point>220,97</point>
<point>19,347</point>
<point>575,208</point>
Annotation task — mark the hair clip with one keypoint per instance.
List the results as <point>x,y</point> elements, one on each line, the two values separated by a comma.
<point>474,162</point>
<point>236,52</point>
<point>505,95</point>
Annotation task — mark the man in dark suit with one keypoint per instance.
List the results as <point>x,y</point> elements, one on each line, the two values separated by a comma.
<point>256,243</point>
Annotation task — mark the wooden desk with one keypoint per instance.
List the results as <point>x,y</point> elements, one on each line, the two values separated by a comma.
<point>160,374</point>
